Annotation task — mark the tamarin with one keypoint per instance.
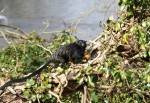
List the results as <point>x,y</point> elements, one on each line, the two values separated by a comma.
<point>70,52</point>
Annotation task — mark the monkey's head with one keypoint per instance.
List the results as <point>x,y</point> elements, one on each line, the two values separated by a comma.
<point>81,43</point>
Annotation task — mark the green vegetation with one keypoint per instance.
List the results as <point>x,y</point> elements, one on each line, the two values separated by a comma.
<point>120,72</point>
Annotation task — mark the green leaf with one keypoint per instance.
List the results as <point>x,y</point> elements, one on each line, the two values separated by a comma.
<point>26,94</point>
<point>94,97</point>
<point>30,83</point>
<point>90,81</point>
<point>117,27</point>
<point>144,24</point>
<point>148,78</point>
<point>33,97</point>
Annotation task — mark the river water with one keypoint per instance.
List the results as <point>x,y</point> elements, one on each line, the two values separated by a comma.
<point>34,15</point>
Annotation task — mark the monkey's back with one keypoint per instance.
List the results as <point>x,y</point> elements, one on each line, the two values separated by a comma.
<point>68,52</point>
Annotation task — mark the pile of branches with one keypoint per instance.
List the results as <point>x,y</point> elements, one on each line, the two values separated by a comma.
<point>105,51</point>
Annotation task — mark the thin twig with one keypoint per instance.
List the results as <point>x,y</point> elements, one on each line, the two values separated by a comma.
<point>55,95</point>
<point>85,94</point>
<point>5,37</point>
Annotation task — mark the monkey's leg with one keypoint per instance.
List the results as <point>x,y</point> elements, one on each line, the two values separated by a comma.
<point>61,61</point>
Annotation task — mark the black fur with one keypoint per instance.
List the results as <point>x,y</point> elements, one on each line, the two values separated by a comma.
<point>71,52</point>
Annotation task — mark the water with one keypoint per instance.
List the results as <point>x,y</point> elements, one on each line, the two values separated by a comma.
<point>30,15</point>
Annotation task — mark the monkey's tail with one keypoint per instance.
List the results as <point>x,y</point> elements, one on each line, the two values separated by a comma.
<point>23,79</point>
